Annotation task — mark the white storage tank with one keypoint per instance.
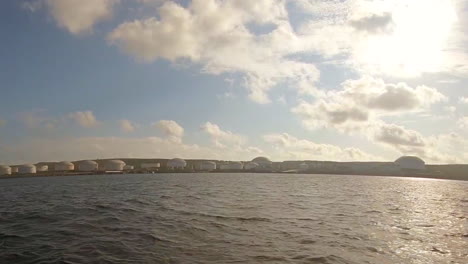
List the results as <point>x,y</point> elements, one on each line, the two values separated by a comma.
<point>64,166</point>
<point>114,165</point>
<point>42,168</point>
<point>27,169</point>
<point>88,165</point>
<point>176,163</point>
<point>250,166</point>
<point>150,165</point>
<point>207,166</point>
<point>411,163</point>
<point>236,165</point>
<point>5,170</point>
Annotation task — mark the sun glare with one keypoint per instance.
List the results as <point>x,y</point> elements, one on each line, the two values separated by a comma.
<point>416,42</point>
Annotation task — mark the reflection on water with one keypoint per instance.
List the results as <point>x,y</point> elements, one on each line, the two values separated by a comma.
<point>225,218</point>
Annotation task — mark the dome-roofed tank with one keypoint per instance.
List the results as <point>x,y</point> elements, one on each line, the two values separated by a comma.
<point>411,163</point>
<point>64,166</point>
<point>5,170</point>
<point>176,163</point>
<point>114,165</point>
<point>263,162</point>
<point>87,165</point>
<point>27,169</point>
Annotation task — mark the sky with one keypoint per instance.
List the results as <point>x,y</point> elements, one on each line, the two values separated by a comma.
<point>340,80</point>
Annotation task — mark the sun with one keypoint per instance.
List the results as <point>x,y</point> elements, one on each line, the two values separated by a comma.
<point>417,41</point>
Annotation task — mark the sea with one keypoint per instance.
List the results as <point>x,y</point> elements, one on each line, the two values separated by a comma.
<point>233,218</point>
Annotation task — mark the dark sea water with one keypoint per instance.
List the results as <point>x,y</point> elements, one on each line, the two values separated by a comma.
<point>233,218</point>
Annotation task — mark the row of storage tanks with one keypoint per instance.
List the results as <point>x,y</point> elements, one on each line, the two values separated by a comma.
<point>118,165</point>
<point>259,163</point>
<point>87,165</point>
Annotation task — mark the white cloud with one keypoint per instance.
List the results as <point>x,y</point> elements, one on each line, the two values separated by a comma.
<point>173,131</point>
<point>222,138</point>
<point>364,100</point>
<point>290,147</point>
<point>396,38</point>
<point>463,122</point>
<point>84,119</point>
<point>464,100</point>
<point>216,35</point>
<point>79,16</point>
<point>126,126</point>
<point>32,6</point>
<point>38,119</point>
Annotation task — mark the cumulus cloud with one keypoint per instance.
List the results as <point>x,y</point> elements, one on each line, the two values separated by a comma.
<point>292,147</point>
<point>126,126</point>
<point>84,119</point>
<point>374,23</point>
<point>363,100</point>
<point>464,100</point>
<point>222,138</point>
<point>463,122</point>
<point>32,6</point>
<point>216,35</point>
<point>79,16</point>
<point>173,131</point>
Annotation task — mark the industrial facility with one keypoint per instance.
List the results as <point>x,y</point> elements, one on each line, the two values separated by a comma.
<point>114,165</point>
<point>5,170</point>
<point>88,165</point>
<point>64,166</point>
<point>176,164</point>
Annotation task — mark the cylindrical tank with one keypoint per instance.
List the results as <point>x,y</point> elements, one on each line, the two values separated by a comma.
<point>87,165</point>
<point>176,163</point>
<point>64,166</point>
<point>5,170</point>
<point>114,165</point>
<point>27,169</point>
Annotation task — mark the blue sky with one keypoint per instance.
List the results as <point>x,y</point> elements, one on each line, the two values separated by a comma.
<point>233,79</point>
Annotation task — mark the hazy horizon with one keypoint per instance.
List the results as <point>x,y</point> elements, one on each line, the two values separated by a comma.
<point>291,80</point>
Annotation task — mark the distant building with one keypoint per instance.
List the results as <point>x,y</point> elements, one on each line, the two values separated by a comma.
<point>5,170</point>
<point>176,163</point>
<point>114,165</point>
<point>88,165</point>
<point>14,169</point>
<point>27,169</point>
<point>411,163</point>
<point>64,166</point>
<point>207,166</point>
